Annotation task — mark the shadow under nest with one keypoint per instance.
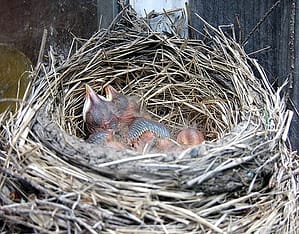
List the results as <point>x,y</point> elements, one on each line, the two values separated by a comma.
<point>210,84</point>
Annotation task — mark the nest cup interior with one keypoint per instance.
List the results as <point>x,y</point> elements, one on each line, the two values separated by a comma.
<point>180,85</point>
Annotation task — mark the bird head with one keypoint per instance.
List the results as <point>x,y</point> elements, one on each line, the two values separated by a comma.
<point>97,112</point>
<point>126,108</point>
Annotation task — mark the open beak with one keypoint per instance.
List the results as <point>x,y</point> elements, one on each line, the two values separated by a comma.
<point>89,94</point>
<point>92,95</point>
<point>91,98</point>
<point>110,92</point>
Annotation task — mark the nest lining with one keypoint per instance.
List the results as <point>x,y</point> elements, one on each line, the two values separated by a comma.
<point>206,83</point>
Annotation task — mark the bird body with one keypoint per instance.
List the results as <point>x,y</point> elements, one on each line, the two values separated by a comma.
<point>146,133</point>
<point>100,137</point>
<point>106,138</point>
<point>141,125</point>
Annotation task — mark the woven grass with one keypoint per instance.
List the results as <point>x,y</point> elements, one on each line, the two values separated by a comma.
<point>242,179</point>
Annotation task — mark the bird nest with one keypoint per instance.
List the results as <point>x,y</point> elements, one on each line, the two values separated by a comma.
<point>240,179</point>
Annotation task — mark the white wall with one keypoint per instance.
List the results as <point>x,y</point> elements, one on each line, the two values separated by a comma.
<point>157,5</point>
<point>160,23</point>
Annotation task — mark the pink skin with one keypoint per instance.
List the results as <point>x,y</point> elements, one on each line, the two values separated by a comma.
<point>190,136</point>
<point>154,144</point>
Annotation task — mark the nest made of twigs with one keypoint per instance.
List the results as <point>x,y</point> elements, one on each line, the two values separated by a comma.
<point>210,84</point>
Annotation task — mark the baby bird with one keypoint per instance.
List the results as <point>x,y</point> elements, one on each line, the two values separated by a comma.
<point>190,137</point>
<point>98,112</point>
<point>143,134</point>
<point>125,108</point>
<point>116,121</point>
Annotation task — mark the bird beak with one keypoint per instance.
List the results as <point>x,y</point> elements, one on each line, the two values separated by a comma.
<point>91,98</point>
<point>110,92</point>
<point>92,95</point>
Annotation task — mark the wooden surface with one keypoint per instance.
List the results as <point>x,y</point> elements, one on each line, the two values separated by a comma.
<point>276,34</point>
<point>22,23</point>
<point>294,134</point>
<point>244,15</point>
<point>106,11</point>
